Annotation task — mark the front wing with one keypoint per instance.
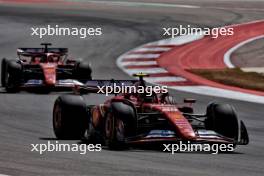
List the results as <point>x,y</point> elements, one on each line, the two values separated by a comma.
<point>202,136</point>
<point>60,84</point>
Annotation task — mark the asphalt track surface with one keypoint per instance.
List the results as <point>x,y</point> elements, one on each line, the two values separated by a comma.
<point>26,118</point>
<point>249,55</point>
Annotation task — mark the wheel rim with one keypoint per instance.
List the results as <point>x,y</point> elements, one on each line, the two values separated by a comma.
<point>7,82</point>
<point>108,126</point>
<point>120,130</point>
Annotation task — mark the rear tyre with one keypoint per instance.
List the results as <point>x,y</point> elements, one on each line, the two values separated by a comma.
<point>83,71</point>
<point>70,117</point>
<point>222,119</point>
<point>12,75</point>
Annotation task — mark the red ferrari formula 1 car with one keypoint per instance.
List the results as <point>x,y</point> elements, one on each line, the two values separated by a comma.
<point>133,118</point>
<point>44,68</point>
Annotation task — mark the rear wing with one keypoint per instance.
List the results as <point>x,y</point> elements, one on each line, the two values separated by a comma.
<point>30,51</point>
<point>97,86</point>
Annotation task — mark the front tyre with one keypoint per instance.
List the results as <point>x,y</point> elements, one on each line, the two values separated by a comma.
<point>3,72</point>
<point>120,123</point>
<point>114,133</point>
<point>70,117</point>
<point>222,119</point>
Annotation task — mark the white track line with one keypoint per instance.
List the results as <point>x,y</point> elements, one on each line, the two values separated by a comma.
<point>140,4</point>
<point>180,40</point>
<point>146,70</point>
<point>133,63</point>
<point>217,92</point>
<point>227,56</point>
<point>143,56</point>
<point>152,49</point>
<point>165,79</point>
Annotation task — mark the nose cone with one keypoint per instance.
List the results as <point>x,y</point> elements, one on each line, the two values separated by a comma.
<point>49,71</point>
<point>182,125</point>
<point>179,122</point>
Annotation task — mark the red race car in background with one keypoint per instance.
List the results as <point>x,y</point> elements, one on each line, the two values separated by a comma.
<point>43,69</point>
<point>139,119</point>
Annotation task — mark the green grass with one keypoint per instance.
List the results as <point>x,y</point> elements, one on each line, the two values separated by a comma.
<point>233,77</point>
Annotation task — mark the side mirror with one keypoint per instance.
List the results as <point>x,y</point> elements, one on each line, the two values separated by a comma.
<point>163,96</point>
<point>70,61</point>
<point>189,100</point>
